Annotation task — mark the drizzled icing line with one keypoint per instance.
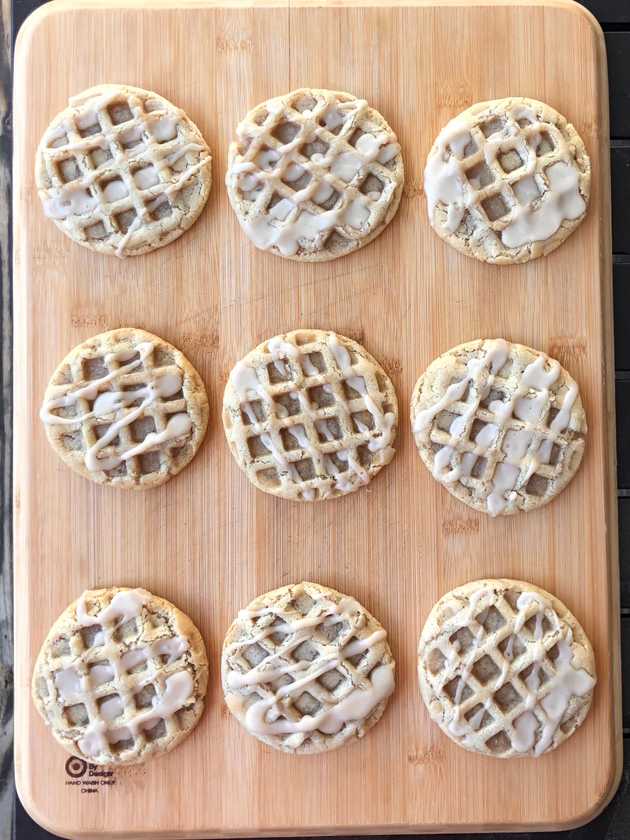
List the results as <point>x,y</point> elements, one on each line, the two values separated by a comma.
<point>517,438</point>
<point>264,696</point>
<point>355,409</point>
<point>542,187</point>
<point>119,168</point>
<point>105,672</point>
<point>111,406</point>
<point>318,191</point>
<point>545,689</point>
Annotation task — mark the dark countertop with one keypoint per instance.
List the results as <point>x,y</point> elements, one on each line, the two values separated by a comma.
<point>614,16</point>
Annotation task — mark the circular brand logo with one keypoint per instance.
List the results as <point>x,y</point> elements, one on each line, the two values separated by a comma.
<point>76,767</point>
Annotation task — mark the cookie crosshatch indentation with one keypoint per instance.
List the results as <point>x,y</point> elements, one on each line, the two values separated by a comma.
<point>125,408</point>
<point>507,180</point>
<point>314,174</point>
<point>500,425</point>
<point>306,669</point>
<point>122,170</point>
<point>121,676</point>
<point>310,415</point>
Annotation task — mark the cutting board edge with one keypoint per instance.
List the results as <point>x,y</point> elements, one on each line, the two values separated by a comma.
<point>607,332</point>
<point>21,332</point>
<point>54,7</point>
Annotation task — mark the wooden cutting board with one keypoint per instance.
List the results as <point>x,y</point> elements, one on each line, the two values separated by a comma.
<point>207,540</point>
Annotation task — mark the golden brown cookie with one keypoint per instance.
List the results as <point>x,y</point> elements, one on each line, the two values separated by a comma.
<point>122,171</point>
<point>306,669</point>
<point>505,669</point>
<point>507,180</point>
<point>310,415</point>
<point>314,174</point>
<point>125,408</point>
<point>121,676</point>
<point>500,425</point>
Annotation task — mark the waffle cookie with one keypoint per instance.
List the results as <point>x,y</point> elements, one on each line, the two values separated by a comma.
<point>122,171</point>
<point>121,676</point>
<point>507,181</point>
<point>306,669</point>
<point>505,669</point>
<point>500,425</point>
<point>314,174</point>
<point>310,415</point>
<point>125,408</point>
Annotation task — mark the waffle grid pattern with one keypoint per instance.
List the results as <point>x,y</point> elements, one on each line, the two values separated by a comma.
<point>537,481</point>
<point>161,460</point>
<point>529,149</point>
<point>329,415</point>
<point>113,138</point>
<point>249,651</point>
<point>138,687</point>
<point>496,658</point>
<point>314,150</point>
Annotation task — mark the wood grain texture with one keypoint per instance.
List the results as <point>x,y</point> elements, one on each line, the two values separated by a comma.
<point>7,791</point>
<point>207,540</point>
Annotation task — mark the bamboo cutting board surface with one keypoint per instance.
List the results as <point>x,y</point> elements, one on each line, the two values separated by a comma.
<point>207,540</point>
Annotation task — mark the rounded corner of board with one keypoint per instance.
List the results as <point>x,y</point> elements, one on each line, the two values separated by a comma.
<point>576,9</point>
<point>601,800</point>
<point>37,812</point>
<point>31,25</point>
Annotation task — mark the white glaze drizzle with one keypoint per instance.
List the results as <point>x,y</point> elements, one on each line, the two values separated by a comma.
<point>91,390</point>
<point>520,458</point>
<point>69,683</point>
<point>178,692</point>
<point>107,403</point>
<point>297,221</point>
<point>355,707</point>
<point>245,382</point>
<point>569,682</point>
<point>262,716</point>
<point>545,199</point>
<point>101,673</point>
<point>164,129</point>
<point>545,704</point>
<point>279,348</point>
<point>75,197</point>
<point>115,190</point>
<point>561,201</point>
<point>455,724</point>
<point>111,707</point>
<point>296,628</point>
<point>383,422</point>
<point>524,731</point>
<point>74,687</point>
<point>494,357</point>
<point>247,385</point>
<point>123,607</point>
<point>132,658</point>
<point>172,648</point>
<point>146,177</point>
<point>177,426</point>
<point>308,367</point>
